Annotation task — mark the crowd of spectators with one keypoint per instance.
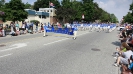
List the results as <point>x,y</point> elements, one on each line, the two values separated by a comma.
<point>124,54</point>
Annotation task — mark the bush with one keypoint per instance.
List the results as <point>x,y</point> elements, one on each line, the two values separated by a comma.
<point>34,21</point>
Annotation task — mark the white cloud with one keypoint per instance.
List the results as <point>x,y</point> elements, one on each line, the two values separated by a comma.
<point>118,7</point>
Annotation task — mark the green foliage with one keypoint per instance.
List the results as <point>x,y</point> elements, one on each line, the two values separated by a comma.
<point>129,16</point>
<point>34,21</point>
<point>67,10</point>
<point>15,10</point>
<point>2,2</point>
<point>64,14</point>
<point>28,6</point>
<point>70,10</point>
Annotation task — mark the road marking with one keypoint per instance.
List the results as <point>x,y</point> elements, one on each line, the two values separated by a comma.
<point>15,46</point>
<point>6,55</point>
<point>56,41</point>
<point>64,39</point>
<point>20,40</point>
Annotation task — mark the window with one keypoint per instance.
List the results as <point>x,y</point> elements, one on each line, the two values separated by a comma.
<point>48,11</point>
<point>51,10</point>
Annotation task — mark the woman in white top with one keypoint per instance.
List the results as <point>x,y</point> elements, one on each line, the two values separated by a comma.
<point>23,26</point>
<point>11,25</point>
<point>123,59</point>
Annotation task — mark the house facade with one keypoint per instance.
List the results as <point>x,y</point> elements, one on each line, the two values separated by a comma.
<point>42,17</point>
<point>51,12</point>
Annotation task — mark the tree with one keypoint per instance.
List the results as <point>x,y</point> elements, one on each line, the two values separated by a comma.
<point>66,3</point>
<point>15,11</point>
<point>73,10</point>
<point>77,7</point>
<point>129,16</point>
<point>65,14</point>
<point>113,18</point>
<point>41,4</point>
<point>2,2</point>
<point>88,8</point>
<point>28,6</point>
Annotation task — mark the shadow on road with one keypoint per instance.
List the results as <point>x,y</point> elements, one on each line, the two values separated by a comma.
<point>117,43</point>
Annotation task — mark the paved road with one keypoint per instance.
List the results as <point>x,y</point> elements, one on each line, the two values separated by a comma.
<point>60,54</point>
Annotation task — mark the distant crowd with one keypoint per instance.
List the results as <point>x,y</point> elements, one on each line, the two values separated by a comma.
<point>27,27</point>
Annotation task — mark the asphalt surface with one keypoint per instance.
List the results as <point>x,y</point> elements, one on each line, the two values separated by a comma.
<point>90,53</point>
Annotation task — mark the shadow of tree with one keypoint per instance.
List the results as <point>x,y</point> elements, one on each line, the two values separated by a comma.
<point>117,43</point>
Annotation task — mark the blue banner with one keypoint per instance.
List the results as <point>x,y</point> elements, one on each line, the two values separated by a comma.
<point>68,31</point>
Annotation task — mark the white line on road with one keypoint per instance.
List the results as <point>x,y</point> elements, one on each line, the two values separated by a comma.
<point>15,46</point>
<point>6,55</point>
<point>56,41</point>
<point>64,39</point>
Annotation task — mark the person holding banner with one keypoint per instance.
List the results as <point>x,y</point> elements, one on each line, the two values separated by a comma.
<point>45,28</point>
<point>75,32</point>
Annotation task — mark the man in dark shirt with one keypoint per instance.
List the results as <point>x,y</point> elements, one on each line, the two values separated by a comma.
<point>36,26</point>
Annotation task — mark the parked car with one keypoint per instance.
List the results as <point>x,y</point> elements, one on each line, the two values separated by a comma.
<point>120,28</point>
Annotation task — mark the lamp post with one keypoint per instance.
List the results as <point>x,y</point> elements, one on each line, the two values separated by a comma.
<point>41,17</point>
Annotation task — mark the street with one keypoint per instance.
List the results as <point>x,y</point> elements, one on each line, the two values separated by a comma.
<point>90,53</point>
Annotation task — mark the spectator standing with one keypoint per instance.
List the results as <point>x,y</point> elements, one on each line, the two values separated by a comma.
<point>36,26</point>
<point>23,26</point>
<point>17,26</point>
<point>11,25</point>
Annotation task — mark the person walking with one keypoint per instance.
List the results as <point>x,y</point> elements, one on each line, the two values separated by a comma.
<point>75,32</point>
<point>44,33</point>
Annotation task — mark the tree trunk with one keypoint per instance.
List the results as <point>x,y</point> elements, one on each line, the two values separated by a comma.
<point>63,20</point>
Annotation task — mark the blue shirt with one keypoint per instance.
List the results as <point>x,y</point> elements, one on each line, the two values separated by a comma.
<point>75,28</point>
<point>45,28</point>
<point>131,66</point>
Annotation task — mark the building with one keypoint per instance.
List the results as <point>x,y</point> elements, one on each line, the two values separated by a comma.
<point>42,17</point>
<point>51,12</point>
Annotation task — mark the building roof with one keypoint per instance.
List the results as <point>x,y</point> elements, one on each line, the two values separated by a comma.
<point>34,12</point>
<point>46,8</point>
<point>42,13</point>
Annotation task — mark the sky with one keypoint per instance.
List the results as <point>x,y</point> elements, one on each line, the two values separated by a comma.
<point>117,7</point>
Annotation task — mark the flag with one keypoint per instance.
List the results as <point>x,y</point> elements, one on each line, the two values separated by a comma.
<point>51,5</point>
<point>83,16</point>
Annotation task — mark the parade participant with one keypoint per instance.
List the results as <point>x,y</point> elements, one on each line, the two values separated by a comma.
<point>108,29</point>
<point>75,32</point>
<point>91,27</point>
<point>45,28</point>
<point>98,27</point>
